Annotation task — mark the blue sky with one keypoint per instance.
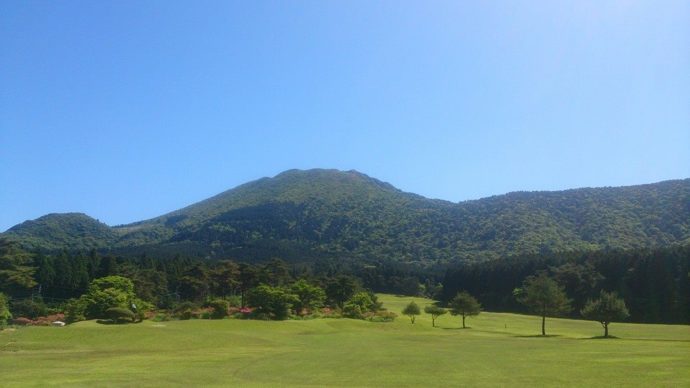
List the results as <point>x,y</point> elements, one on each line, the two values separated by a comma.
<point>126,110</point>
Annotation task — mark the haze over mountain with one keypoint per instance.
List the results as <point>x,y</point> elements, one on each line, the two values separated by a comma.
<point>302,215</point>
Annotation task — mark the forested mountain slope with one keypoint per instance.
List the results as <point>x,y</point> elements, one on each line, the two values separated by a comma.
<point>302,215</point>
<point>73,231</point>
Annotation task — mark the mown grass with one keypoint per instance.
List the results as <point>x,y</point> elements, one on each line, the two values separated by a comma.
<point>498,349</point>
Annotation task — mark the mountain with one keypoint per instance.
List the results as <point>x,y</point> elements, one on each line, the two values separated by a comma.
<point>302,215</point>
<point>73,231</point>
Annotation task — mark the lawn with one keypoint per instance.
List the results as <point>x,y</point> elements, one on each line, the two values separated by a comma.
<point>498,349</point>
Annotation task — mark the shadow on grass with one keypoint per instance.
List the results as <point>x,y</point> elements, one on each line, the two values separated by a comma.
<point>114,322</point>
<point>456,328</point>
<point>538,336</point>
<point>601,337</point>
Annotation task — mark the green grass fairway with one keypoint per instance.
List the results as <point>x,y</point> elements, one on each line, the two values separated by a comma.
<point>499,349</point>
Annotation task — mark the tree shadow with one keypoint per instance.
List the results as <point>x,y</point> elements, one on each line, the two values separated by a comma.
<point>601,337</point>
<point>613,337</point>
<point>538,336</point>
<point>456,328</point>
<point>114,322</point>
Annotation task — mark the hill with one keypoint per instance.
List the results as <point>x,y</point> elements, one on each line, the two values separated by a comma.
<point>301,215</point>
<point>72,231</point>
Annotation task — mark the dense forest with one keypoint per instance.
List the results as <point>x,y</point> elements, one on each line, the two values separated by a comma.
<point>311,215</point>
<point>655,283</point>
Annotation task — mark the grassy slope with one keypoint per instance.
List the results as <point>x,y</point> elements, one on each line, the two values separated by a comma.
<point>499,350</point>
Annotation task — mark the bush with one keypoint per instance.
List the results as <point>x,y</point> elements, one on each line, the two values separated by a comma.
<point>382,316</point>
<point>234,301</point>
<point>120,315</point>
<point>360,305</point>
<point>220,308</point>
<point>184,310</point>
<point>352,311</point>
<point>162,317</point>
<point>21,321</point>
<point>260,316</point>
<point>74,311</point>
<point>29,308</point>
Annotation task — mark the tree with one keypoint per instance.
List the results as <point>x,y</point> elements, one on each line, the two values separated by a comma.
<point>465,305</point>
<point>411,310</point>
<point>435,312</point>
<point>360,303</point>
<point>15,269</point>
<point>275,273</point>
<point>272,301</point>
<point>340,289</point>
<point>4,311</point>
<point>309,297</point>
<point>194,284</point>
<point>579,281</point>
<point>151,285</point>
<point>608,308</point>
<point>225,278</point>
<point>103,294</point>
<point>248,279</point>
<point>543,296</point>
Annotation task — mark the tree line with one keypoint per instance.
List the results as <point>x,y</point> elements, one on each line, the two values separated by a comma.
<point>654,283</point>
<point>88,286</point>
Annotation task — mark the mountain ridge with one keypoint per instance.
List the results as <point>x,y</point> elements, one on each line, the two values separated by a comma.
<point>319,212</point>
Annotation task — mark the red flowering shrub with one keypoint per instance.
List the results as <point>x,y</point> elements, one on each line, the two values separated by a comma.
<point>21,321</point>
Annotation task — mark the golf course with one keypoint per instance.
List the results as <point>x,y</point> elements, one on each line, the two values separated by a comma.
<point>495,350</point>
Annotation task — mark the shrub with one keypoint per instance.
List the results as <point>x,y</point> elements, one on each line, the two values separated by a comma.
<point>120,315</point>
<point>162,317</point>
<point>184,310</point>
<point>382,316</point>
<point>361,305</point>
<point>141,309</point>
<point>74,311</point>
<point>353,311</point>
<point>21,321</point>
<point>358,305</point>
<point>220,308</point>
<point>28,308</point>
<point>260,316</point>
<point>234,301</point>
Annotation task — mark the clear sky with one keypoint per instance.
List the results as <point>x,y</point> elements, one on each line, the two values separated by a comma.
<point>125,110</point>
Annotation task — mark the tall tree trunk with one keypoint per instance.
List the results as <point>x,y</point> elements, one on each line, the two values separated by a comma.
<point>463,321</point>
<point>606,330</point>
<point>543,324</point>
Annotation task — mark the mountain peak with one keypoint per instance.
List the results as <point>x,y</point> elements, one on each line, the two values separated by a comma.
<point>303,214</point>
<point>64,230</point>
